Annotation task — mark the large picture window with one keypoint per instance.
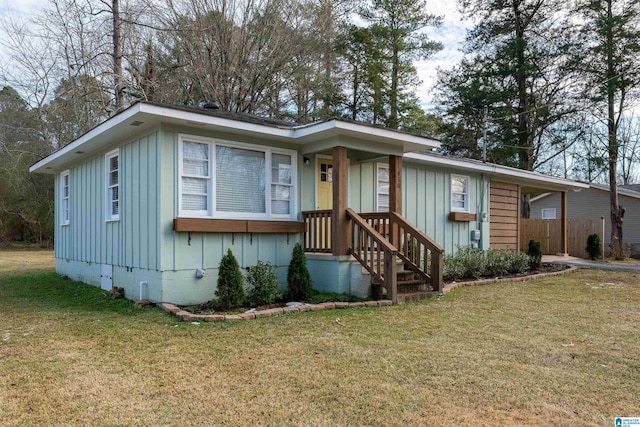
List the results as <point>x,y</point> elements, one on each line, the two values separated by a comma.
<point>235,181</point>
<point>459,193</point>
<point>382,188</point>
<point>65,198</point>
<point>113,185</point>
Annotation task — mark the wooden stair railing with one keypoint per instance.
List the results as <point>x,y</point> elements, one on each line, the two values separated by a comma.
<point>419,252</point>
<point>375,254</point>
<point>317,231</point>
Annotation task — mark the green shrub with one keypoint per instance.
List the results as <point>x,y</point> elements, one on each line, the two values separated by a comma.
<point>466,263</point>
<point>298,277</point>
<point>535,253</point>
<point>594,246</point>
<point>452,268</point>
<point>519,262</point>
<point>262,284</point>
<point>230,292</point>
<point>498,262</point>
<point>475,263</point>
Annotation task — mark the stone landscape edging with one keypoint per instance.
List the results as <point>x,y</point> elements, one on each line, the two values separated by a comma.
<point>190,317</point>
<point>454,285</point>
<point>256,314</point>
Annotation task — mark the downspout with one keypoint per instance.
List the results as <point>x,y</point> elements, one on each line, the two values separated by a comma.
<point>143,285</point>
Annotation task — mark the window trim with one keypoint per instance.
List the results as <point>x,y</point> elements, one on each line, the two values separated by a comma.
<point>109,216</point>
<point>211,185</point>
<point>378,167</point>
<point>467,194</point>
<point>65,220</point>
<point>548,209</point>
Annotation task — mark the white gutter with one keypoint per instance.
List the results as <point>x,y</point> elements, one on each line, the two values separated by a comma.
<point>496,170</point>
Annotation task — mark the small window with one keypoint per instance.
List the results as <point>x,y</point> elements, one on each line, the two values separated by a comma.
<point>549,213</point>
<point>65,198</point>
<point>459,193</point>
<point>382,186</point>
<point>113,186</point>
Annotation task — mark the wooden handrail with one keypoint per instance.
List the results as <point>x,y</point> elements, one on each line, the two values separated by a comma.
<point>406,224</point>
<point>419,252</point>
<point>374,253</point>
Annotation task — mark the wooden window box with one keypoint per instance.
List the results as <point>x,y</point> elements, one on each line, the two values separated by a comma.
<point>462,216</point>
<point>208,225</point>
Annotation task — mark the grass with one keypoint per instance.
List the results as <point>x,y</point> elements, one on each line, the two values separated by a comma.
<point>562,350</point>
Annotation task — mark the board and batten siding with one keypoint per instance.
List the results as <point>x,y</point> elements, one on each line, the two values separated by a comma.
<point>188,251</point>
<point>504,215</point>
<point>592,203</point>
<point>426,200</point>
<point>88,237</point>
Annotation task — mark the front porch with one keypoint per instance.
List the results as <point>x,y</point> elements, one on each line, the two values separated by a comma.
<point>401,262</point>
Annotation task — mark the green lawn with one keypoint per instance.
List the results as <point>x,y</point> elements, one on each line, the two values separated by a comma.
<point>557,351</point>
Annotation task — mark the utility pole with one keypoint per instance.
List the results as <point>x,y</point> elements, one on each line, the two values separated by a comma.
<point>484,136</point>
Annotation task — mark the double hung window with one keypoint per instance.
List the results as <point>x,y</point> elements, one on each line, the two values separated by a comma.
<point>65,198</point>
<point>382,188</point>
<point>235,181</point>
<point>113,186</point>
<point>459,193</point>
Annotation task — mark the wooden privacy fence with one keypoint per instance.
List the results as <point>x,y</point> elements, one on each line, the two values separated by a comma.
<point>548,233</point>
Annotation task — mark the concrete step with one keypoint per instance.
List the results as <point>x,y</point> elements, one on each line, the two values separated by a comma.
<point>408,286</point>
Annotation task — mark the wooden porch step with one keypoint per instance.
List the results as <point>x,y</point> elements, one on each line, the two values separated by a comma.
<point>416,296</point>
<point>405,275</point>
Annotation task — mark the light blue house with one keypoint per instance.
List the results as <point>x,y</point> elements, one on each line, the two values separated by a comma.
<point>151,199</point>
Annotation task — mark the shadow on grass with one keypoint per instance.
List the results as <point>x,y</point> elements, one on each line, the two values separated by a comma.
<point>54,293</point>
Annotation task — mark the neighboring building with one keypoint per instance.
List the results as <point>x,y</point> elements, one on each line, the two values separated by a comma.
<point>593,203</point>
<point>151,199</point>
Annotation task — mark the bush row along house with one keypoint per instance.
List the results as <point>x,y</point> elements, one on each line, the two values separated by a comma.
<point>151,199</point>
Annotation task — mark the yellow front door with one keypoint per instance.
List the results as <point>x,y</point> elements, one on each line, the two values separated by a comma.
<point>325,184</point>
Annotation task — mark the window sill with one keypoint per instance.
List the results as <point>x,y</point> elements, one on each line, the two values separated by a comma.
<point>462,216</point>
<point>208,225</point>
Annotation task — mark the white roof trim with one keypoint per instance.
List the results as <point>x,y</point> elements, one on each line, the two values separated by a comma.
<point>155,114</point>
<point>532,178</point>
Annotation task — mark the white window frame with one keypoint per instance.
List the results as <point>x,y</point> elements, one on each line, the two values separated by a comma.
<point>109,216</point>
<point>378,167</point>
<point>549,210</point>
<point>65,213</point>
<point>467,194</point>
<point>211,187</point>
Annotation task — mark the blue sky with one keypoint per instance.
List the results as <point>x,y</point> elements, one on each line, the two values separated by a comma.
<point>450,34</point>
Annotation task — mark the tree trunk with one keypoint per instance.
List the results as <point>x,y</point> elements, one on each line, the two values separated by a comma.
<point>616,211</point>
<point>117,56</point>
<point>521,79</point>
<point>393,96</point>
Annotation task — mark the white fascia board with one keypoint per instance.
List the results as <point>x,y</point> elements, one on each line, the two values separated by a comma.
<point>154,114</point>
<point>336,127</point>
<point>75,145</point>
<point>167,114</point>
<point>531,178</point>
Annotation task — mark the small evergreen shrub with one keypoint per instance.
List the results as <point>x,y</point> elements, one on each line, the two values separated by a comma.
<point>498,262</point>
<point>475,263</point>
<point>535,253</point>
<point>594,246</point>
<point>519,262</point>
<point>452,268</point>
<point>230,292</point>
<point>298,277</point>
<point>262,284</point>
